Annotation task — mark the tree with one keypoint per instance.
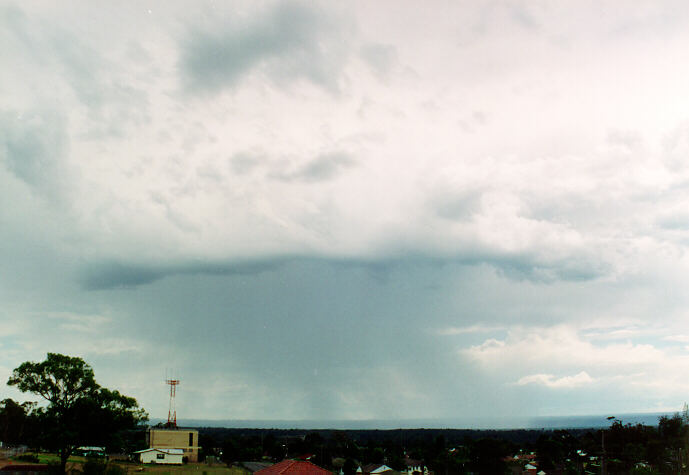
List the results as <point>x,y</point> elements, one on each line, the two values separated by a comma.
<point>15,424</point>
<point>79,410</point>
<point>349,467</point>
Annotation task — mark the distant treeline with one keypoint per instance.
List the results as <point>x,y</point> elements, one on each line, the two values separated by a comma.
<point>618,449</point>
<point>407,437</point>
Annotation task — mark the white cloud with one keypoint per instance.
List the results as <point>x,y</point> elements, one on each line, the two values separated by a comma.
<point>562,347</point>
<point>677,338</point>
<point>538,356</point>
<point>550,381</point>
<point>449,331</point>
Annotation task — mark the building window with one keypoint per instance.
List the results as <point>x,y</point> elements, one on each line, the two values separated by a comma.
<point>191,439</point>
<point>160,456</point>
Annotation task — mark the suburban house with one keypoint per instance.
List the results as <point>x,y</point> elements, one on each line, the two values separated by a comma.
<point>249,467</point>
<point>164,456</point>
<point>89,451</point>
<point>256,466</point>
<point>374,469</point>
<point>186,440</point>
<point>293,467</point>
<point>415,467</point>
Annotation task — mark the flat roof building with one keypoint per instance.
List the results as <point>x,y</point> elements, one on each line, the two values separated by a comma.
<point>186,440</point>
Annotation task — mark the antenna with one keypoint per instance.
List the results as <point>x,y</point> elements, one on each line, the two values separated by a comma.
<point>172,412</point>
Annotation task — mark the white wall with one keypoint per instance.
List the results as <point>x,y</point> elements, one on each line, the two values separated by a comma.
<point>152,457</point>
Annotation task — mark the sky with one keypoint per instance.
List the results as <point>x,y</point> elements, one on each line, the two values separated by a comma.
<point>350,210</point>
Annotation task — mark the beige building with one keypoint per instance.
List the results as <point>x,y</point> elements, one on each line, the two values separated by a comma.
<point>185,439</point>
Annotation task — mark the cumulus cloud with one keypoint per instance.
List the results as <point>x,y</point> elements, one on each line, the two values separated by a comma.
<point>563,347</point>
<point>550,381</point>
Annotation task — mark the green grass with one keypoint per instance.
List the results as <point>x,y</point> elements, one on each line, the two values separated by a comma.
<point>53,458</point>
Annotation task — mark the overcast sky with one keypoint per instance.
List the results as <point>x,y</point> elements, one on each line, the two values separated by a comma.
<point>350,210</point>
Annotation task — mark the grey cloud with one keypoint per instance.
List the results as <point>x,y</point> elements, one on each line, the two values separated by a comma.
<point>572,269</point>
<point>80,65</point>
<point>322,168</point>
<point>676,149</point>
<point>380,58</point>
<point>101,86</point>
<point>524,16</point>
<point>107,275</point>
<point>117,275</point>
<point>287,42</point>
<point>629,139</point>
<point>320,330</point>
<point>675,222</point>
<point>15,21</point>
<point>32,147</point>
<point>529,266</point>
<point>243,163</point>
<point>114,274</point>
<point>41,43</point>
<point>308,327</point>
<point>37,45</point>
<point>456,205</point>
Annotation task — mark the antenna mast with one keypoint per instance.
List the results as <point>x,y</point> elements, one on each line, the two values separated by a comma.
<point>172,412</point>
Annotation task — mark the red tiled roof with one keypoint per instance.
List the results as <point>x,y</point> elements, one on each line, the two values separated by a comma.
<point>297,467</point>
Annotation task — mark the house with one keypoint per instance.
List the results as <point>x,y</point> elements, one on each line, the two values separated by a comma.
<point>164,456</point>
<point>374,469</point>
<point>530,468</point>
<point>293,467</point>
<point>186,440</point>
<point>254,467</point>
<point>414,467</point>
<point>90,451</point>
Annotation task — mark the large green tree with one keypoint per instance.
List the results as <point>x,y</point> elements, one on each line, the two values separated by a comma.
<point>78,411</point>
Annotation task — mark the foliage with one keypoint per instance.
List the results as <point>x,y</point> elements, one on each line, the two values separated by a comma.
<point>349,467</point>
<point>93,466</point>
<point>79,410</point>
<point>15,424</point>
<point>643,471</point>
<point>31,458</point>
<point>115,470</point>
<point>487,457</point>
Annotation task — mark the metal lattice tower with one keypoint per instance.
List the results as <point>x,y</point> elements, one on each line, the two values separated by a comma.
<point>172,412</point>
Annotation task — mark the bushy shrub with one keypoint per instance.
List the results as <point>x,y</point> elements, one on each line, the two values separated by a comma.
<point>115,470</point>
<point>31,458</point>
<point>93,466</point>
